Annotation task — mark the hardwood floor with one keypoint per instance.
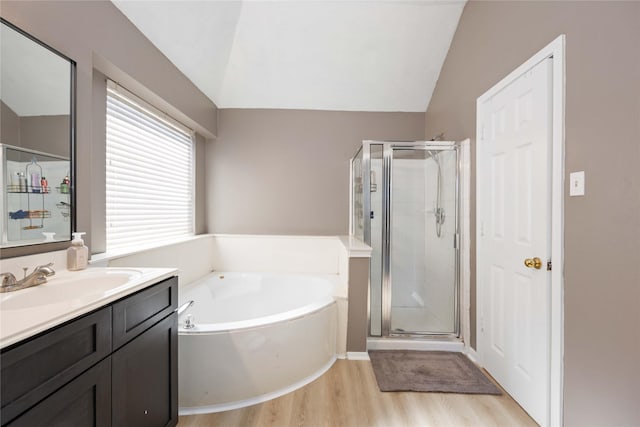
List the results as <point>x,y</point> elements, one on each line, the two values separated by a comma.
<point>347,395</point>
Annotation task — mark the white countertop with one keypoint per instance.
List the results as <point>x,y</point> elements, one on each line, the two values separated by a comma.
<point>355,247</point>
<point>67,295</point>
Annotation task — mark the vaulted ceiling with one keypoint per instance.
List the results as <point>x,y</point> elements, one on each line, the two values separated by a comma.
<point>320,55</point>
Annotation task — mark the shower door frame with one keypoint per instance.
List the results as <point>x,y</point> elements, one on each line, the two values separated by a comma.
<point>388,148</point>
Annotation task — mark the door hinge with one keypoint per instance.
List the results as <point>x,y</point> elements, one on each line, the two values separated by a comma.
<point>456,241</point>
<point>548,265</point>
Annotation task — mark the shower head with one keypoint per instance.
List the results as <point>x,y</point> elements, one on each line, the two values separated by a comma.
<point>438,137</point>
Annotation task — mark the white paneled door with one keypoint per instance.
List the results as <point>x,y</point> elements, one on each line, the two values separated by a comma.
<point>514,237</point>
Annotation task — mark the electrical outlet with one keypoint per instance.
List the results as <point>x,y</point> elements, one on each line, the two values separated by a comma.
<point>576,184</point>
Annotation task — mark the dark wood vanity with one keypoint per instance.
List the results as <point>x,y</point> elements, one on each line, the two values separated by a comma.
<point>115,366</point>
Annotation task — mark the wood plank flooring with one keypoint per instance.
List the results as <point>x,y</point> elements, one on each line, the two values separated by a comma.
<point>347,395</point>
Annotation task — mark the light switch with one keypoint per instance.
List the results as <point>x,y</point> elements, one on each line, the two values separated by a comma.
<point>576,184</point>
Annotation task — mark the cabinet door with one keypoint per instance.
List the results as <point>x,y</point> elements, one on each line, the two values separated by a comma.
<point>85,401</point>
<point>145,378</point>
<point>32,370</point>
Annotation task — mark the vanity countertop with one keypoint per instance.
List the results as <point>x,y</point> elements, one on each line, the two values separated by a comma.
<point>67,295</point>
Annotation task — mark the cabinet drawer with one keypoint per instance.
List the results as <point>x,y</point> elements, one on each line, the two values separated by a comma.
<point>84,402</point>
<point>138,312</point>
<point>38,367</point>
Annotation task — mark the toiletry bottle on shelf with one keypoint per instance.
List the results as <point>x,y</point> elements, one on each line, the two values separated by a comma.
<point>22,182</point>
<point>64,186</point>
<point>77,254</point>
<point>35,182</point>
<point>13,187</point>
<point>44,184</point>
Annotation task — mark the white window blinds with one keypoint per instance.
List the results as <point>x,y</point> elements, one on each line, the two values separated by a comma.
<point>149,177</point>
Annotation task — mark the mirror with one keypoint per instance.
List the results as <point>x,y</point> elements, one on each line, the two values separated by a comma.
<point>37,121</point>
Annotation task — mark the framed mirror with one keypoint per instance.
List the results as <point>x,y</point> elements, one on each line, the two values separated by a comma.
<point>37,132</point>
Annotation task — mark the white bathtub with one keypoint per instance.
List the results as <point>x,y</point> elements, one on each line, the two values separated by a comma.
<point>257,337</point>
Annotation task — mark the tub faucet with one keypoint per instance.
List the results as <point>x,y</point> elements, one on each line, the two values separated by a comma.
<point>37,277</point>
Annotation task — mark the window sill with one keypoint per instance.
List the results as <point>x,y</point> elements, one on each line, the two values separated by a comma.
<point>103,258</point>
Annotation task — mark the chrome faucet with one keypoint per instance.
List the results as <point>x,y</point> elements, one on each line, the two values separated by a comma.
<point>37,277</point>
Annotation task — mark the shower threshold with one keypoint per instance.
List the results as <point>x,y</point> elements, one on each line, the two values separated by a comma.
<point>416,342</point>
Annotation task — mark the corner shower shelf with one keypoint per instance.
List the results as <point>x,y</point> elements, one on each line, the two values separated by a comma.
<point>30,201</point>
<point>31,215</point>
<point>14,189</point>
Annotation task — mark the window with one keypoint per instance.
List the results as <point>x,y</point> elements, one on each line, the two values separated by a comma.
<point>149,177</point>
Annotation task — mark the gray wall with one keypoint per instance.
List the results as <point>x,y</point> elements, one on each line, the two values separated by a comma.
<point>49,134</point>
<point>602,229</point>
<point>46,133</point>
<point>287,171</point>
<point>9,125</point>
<point>200,186</point>
<point>101,39</point>
<point>358,322</point>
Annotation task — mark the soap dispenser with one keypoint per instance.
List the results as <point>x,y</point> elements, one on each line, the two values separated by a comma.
<point>77,254</point>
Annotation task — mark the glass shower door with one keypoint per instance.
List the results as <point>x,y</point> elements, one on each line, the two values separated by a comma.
<point>422,280</point>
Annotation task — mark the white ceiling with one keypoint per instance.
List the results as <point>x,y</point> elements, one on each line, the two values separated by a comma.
<point>319,55</point>
<point>33,80</point>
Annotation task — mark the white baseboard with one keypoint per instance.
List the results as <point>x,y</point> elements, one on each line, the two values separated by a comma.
<point>357,355</point>
<point>472,355</point>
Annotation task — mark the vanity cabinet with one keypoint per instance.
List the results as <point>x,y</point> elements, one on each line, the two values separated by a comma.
<point>116,366</point>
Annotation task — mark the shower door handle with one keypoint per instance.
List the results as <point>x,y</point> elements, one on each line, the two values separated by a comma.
<point>533,263</point>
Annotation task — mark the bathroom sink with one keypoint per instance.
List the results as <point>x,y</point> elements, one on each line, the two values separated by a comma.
<point>67,295</point>
<point>70,288</point>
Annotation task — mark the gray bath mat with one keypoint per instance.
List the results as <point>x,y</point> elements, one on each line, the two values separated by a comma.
<point>435,371</point>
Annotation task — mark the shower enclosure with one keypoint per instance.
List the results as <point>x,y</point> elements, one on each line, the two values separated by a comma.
<point>404,204</point>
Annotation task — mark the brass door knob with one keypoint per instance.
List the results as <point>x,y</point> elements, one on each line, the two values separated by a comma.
<point>533,263</point>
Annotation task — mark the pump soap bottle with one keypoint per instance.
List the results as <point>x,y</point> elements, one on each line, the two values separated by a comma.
<point>77,254</point>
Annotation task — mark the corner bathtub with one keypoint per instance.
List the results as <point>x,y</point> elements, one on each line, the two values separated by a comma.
<point>257,337</point>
